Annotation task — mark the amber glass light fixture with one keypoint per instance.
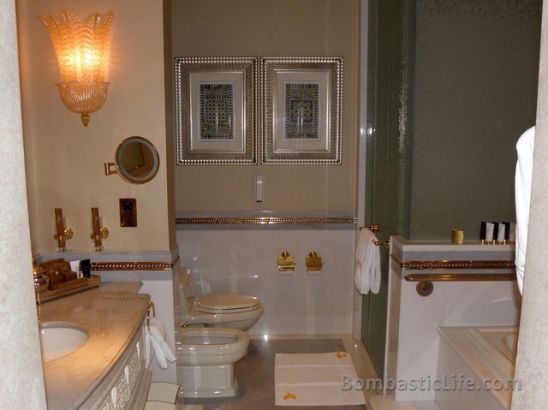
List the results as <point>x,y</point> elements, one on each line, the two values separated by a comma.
<point>82,49</point>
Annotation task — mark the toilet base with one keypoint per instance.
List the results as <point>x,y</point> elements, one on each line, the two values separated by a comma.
<point>207,381</point>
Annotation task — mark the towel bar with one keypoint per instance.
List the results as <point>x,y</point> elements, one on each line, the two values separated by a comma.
<point>385,243</point>
<point>459,277</point>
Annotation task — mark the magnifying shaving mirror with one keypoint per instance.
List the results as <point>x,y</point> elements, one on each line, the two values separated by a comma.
<point>136,161</point>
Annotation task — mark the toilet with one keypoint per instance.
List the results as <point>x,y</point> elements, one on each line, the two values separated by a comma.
<point>230,310</point>
<point>211,339</point>
<point>225,309</point>
<point>205,359</point>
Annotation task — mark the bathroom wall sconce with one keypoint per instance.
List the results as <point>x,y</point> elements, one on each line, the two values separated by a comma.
<point>63,233</point>
<point>313,262</point>
<point>99,232</point>
<point>82,50</point>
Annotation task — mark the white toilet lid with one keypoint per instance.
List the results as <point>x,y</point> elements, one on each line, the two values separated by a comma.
<point>227,302</point>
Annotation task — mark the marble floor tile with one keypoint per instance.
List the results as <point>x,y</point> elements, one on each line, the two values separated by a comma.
<point>255,374</point>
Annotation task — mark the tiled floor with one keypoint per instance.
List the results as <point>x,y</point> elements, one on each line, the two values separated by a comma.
<point>255,373</point>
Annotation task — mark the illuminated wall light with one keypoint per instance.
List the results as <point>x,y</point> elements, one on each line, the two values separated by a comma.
<point>82,49</point>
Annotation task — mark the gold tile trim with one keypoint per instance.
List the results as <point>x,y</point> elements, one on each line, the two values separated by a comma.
<point>267,220</point>
<point>431,265</point>
<point>146,266</point>
<point>459,277</point>
<point>125,296</point>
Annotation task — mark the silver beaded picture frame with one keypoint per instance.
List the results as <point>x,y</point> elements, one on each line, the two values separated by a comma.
<point>301,107</point>
<point>216,110</point>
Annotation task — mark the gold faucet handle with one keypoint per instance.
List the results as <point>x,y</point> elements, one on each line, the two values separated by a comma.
<point>286,262</point>
<point>68,232</point>
<point>313,262</point>
<point>102,234</point>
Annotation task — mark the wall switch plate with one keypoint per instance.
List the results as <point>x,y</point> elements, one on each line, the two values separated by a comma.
<point>128,212</point>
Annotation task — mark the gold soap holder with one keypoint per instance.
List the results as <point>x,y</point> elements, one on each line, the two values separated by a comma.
<point>313,262</point>
<point>286,262</point>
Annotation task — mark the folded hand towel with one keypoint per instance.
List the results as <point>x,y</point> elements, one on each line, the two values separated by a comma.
<point>368,263</point>
<point>524,176</point>
<point>155,341</point>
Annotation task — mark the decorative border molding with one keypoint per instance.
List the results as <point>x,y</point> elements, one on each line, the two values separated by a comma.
<point>267,220</point>
<point>124,266</point>
<point>433,265</point>
<point>125,296</point>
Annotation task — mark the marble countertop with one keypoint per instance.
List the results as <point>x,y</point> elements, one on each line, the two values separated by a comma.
<point>111,316</point>
<point>407,250</point>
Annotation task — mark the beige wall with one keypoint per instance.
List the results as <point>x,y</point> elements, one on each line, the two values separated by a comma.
<point>65,159</point>
<point>272,28</point>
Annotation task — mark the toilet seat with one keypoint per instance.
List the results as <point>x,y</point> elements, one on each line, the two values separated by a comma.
<point>227,303</point>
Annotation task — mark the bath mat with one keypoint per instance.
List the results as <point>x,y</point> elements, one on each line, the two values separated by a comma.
<point>314,379</point>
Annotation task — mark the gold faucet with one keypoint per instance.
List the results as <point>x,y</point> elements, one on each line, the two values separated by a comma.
<point>100,232</point>
<point>63,233</point>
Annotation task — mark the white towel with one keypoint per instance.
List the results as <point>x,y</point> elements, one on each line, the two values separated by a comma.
<point>155,340</point>
<point>524,175</point>
<point>368,263</point>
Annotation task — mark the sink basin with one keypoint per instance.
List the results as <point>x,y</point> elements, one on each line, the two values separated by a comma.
<point>60,338</point>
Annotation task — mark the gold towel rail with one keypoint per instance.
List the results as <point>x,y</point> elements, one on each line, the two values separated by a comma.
<point>151,309</point>
<point>385,243</point>
<point>459,277</point>
<point>376,228</point>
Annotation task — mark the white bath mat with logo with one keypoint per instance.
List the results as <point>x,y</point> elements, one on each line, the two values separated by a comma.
<point>314,379</point>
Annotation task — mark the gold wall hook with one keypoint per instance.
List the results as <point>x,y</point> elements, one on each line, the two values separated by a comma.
<point>313,262</point>
<point>286,262</point>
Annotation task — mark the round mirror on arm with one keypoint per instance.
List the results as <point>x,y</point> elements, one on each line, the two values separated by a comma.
<point>137,160</point>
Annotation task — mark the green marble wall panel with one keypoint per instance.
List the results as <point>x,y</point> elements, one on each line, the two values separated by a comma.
<point>389,145</point>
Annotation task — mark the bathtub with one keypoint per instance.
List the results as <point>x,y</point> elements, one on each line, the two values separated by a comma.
<point>476,365</point>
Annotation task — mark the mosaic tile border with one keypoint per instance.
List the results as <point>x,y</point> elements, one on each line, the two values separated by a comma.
<point>433,265</point>
<point>131,266</point>
<point>267,220</point>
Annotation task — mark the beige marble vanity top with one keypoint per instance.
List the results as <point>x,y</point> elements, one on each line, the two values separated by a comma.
<point>111,315</point>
